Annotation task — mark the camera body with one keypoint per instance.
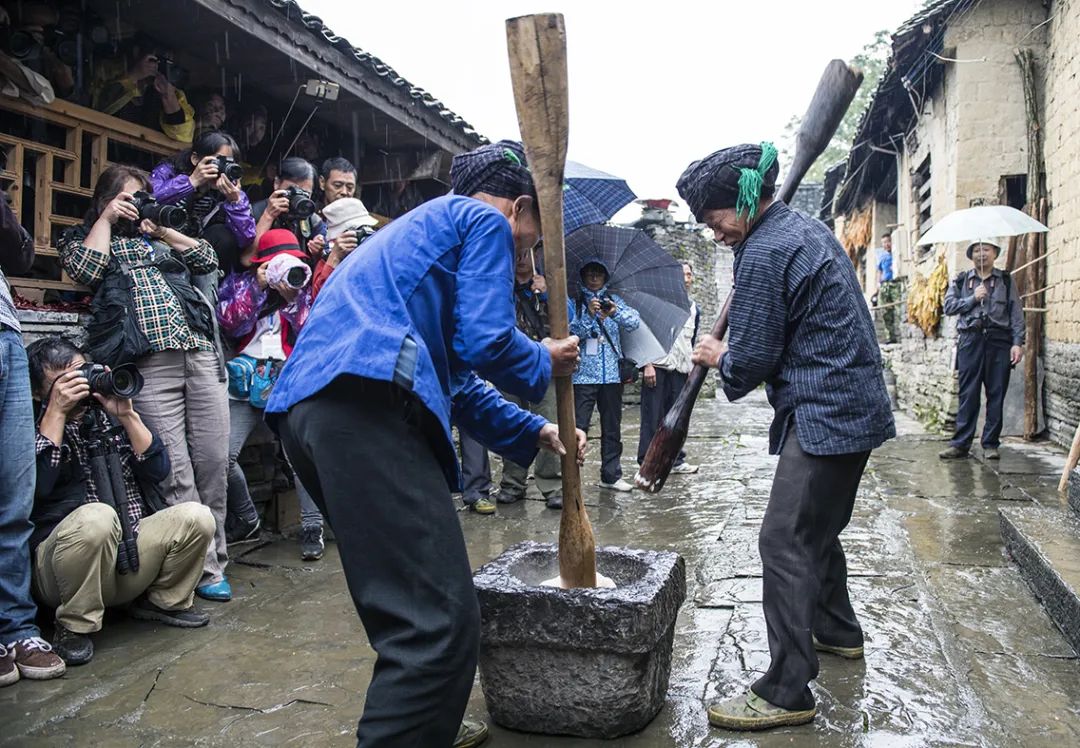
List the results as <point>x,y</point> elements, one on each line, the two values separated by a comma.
<point>287,269</point>
<point>230,168</point>
<point>363,233</point>
<point>166,216</point>
<point>171,72</point>
<point>124,381</point>
<point>300,203</point>
<point>607,304</point>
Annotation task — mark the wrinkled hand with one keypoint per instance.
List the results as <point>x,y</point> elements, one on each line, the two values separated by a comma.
<point>708,352</point>
<point>1015,354</point>
<point>205,173</point>
<point>120,207</point>
<point>228,188</point>
<point>539,284</point>
<point>549,440</point>
<point>648,375</point>
<point>68,392</point>
<point>121,407</point>
<point>260,276</point>
<point>287,292</point>
<point>981,292</point>
<point>594,306</point>
<point>151,229</point>
<point>565,355</point>
<point>315,246</point>
<point>343,245</point>
<point>278,204</point>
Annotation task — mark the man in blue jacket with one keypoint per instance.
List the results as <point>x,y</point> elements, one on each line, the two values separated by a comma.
<point>364,405</point>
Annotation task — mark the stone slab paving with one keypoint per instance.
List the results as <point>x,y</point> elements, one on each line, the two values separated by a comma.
<point>959,652</point>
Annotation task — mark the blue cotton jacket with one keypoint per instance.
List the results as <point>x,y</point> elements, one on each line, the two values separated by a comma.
<point>799,323</point>
<point>603,367</point>
<point>443,276</point>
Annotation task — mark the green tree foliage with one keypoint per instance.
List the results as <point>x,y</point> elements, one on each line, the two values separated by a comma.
<point>872,61</point>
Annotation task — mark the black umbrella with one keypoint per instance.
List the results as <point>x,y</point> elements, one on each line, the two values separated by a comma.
<point>644,275</point>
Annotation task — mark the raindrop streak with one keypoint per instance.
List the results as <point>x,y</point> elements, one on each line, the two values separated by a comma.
<point>217,54</point>
<point>227,57</point>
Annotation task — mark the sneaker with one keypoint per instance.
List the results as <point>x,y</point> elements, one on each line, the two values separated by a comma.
<point>8,672</point>
<point>184,618</point>
<point>483,505</point>
<point>311,543</point>
<point>243,532</point>
<point>991,454</point>
<point>36,660</point>
<point>953,453</point>
<point>471,733</point>
<point>619,485</point>
<point>554,501</point>
<point>74,648</point>
<point>220,592</point>
<point>848,653</point>
<point>751,712</point>
<point>505,497</point>
<point>684,468</point>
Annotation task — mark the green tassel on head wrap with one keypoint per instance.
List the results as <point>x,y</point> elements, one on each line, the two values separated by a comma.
<point>752,180</point>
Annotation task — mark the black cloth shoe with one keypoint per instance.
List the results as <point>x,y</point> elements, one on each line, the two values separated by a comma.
<point>554,501</point>
<point>505,497</point>
<point>73,648</point>
<point>311,543</point>
<point>187,618</point>
<point>953,453</point>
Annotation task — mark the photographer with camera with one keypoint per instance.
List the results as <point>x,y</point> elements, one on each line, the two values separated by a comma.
<point>597,317</point>
<point>29,62</point>
<point>348,223</point>
<point>262,310</point>
<point>146,310</point>
<point>205,180</point>
<point>291,207</point>
<point>148,92</point>
<point>79,521</point>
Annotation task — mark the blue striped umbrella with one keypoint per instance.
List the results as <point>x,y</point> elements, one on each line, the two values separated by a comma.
<point>591,196</point>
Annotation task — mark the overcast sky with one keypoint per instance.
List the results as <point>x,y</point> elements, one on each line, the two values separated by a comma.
<point>653,86</point>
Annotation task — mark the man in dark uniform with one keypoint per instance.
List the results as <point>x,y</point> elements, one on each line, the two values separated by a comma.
<point>990,341</point>
<point>798,323</point>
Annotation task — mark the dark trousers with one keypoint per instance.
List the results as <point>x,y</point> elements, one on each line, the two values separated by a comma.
<point>982,362</point>
<point>607,398</point>
<point>655,404</point>
<point>475,469</point>
<point>804,569</point>
<point>367,453</point>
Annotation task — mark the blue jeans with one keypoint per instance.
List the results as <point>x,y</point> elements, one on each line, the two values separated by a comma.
<point>18,473</point>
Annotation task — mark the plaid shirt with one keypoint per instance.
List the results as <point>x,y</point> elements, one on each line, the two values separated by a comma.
<point>159,313</point>
<point>74,448</point>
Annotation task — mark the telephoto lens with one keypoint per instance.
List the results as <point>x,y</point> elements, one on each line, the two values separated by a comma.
<point>287,269</point>
<point>166,216</point>
<point>300,203</point>
<point>124,381</point>
<point>231,169</point>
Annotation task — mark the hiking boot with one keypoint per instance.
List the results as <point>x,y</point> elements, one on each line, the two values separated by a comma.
<point>991,454</point>
<point>554,501</point>
<point>184,618</point>
<point>953,453</point>
<point>220,592</point>
<point>36,660</point>
<point>483,505</point>
<point>243,532</point>
<point>8,672</point>
<point>74,648</point>
<point>505,497</point>
<point>751,712</point>
<point>848,653</point>
<point>312,544</point>
<point>620,485</point>
<point>684,468</point>
<point>472,732</point>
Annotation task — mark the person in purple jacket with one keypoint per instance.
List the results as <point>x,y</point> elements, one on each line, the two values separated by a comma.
<point>218,210</point>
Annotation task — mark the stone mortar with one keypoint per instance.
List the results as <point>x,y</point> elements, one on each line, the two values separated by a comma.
<point>586,662</point>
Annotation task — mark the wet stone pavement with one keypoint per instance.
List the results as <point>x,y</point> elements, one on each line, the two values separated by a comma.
<point>958,650</point>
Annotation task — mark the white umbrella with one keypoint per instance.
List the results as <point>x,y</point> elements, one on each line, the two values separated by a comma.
<point>983,222</point>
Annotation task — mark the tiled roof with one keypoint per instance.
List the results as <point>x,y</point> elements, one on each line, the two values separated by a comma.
<point>292,11</point>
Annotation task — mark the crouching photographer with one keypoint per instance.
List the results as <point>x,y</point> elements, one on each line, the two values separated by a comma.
<point>262,311</point>
<point>147,310</point>
<point>102,535</point>
<point>348,224</point>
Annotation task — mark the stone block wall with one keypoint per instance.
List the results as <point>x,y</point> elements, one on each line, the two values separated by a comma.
<point>1061,389</point>
<point>925,375</point>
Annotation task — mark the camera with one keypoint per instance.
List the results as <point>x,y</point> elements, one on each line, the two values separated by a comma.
<point>124,381</point>
<point>230,168</point>
<point>287,269</point>
<point>171,72</point>
<point>300,203</point>
<point>165,216</point>
<point>607,304</point>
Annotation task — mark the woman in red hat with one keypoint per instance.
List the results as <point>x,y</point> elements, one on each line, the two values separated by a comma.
<point>262,310</point>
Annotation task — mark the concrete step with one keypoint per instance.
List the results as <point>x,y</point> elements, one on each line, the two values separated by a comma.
<point>1074,491</point>
<point>1045,543</point>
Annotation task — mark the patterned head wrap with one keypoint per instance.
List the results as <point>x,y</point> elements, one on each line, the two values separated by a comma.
<point>736,177</point>
<point>498,169</point>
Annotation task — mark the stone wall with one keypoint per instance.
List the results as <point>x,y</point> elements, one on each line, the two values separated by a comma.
<point>925,376</point>
<point>1062,154</point>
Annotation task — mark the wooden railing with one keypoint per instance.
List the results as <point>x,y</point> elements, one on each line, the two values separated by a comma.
<point>55,155</point>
